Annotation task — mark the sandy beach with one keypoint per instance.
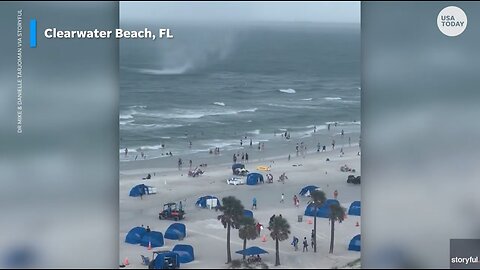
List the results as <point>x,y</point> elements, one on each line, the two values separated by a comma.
<point>207,235</point>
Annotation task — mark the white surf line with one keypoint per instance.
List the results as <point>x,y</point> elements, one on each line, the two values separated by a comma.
<point>235,242</point>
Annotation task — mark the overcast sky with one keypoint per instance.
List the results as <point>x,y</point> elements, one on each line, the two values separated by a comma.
<point>334,12</point>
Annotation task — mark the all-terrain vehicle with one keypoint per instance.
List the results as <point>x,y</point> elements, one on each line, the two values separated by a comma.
<point>170,211</point>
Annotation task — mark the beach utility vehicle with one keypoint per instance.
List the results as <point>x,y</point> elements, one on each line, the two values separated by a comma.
<point>172,212</point>
<point>165,260</point>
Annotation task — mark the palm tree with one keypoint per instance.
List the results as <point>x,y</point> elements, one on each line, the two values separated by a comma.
<point>279,231</point>
<point>317,199</point>
<point>232,210</point>
<point>337,213</point>
<point>247,231</point>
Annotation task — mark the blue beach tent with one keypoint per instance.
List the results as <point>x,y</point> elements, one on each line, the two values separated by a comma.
<point>140,190</point>
<point>355,243</point>
<point>154,238</point>
<point>307,190</point>
<point>202,201</point>
<point>354,209</point>
<point>185,252</point>
<point>134,236</point>
<point>254,178</point>
<point>176,231</point>
<point>237,166</point>
<point>251,251</point>
<point>247,213</point>
<point>322,211</point>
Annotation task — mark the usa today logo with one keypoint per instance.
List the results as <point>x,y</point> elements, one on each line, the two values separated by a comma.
<point>452,21</point>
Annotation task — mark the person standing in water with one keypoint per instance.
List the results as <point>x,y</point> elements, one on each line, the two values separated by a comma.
<point>179,164</point>
<point>126,152</point>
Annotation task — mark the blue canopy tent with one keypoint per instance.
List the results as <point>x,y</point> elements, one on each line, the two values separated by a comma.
<point>254,178</point>
<point>166,260</point>
<point>185,252</point>
<point>354,209</point>
<point>202,201</point>
<point>154,238</point>
<point>134,236</point>
<point>176,231</point>
<point>355,243</point>
<point>322,211</point>
<point>237,166</point>
<point>140,190</point>
<point>251,251</point>
<point>307,190</point>
<point>247,213</point>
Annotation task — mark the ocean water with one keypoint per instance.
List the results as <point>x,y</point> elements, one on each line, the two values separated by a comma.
<point>215,85</point>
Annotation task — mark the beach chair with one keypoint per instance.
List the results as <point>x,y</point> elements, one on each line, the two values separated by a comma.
<point>145,260</point>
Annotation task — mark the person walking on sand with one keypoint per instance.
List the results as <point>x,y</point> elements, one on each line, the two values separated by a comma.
<point>283,198</point>
<point>333,144</point>
<point>295,200</point>
<point>179,164</point>
<point>271,218</point>
<point>246,157</point>
<point>335,194</point>
<point>295,243</point>
<point>328,126</point>
<point>314,129</point>
<point>258,228</point>
<point>305,244</point>
<point>190,163</point>
<point>254,203</point>
<point>234,158</point>
<point>289,157</point>
<point>343,133</point>
<point>126,152</point>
